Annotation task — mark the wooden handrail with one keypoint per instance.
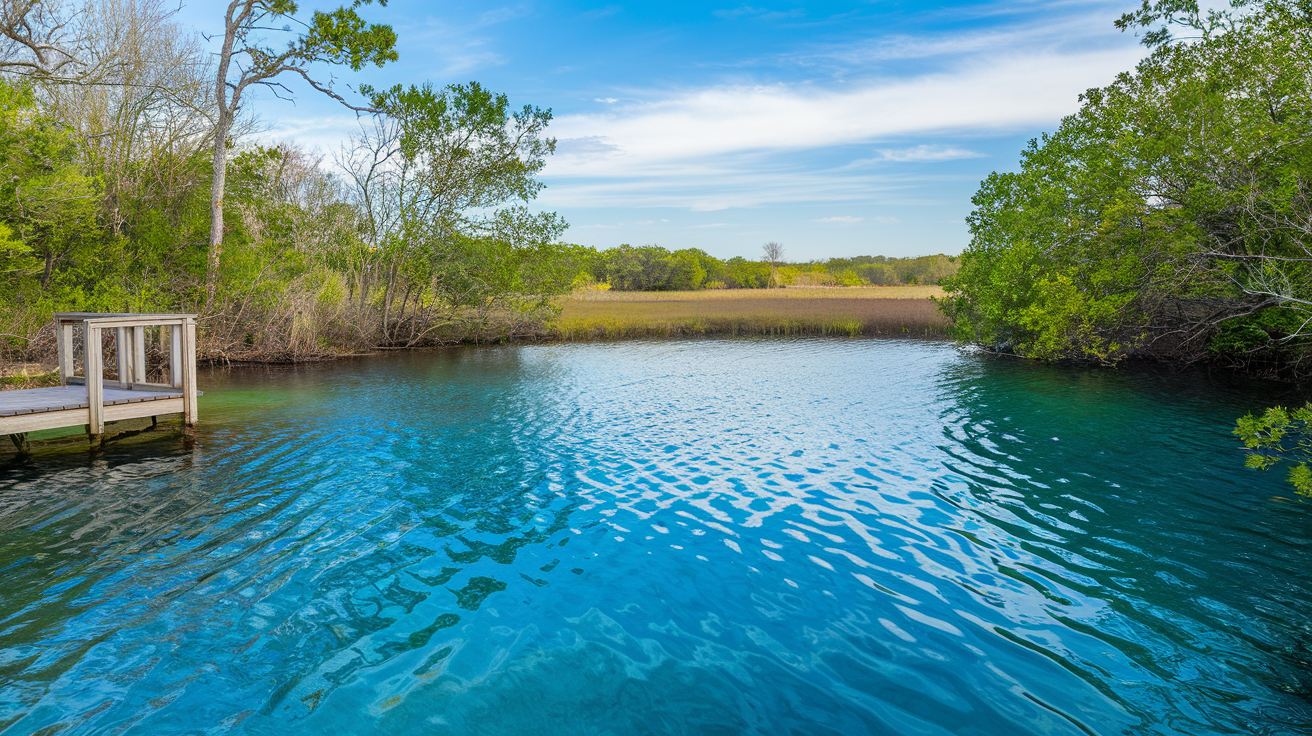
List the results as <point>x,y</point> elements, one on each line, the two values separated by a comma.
<point>131,344</point>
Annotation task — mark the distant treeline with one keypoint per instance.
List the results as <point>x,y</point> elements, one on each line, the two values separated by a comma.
<point>653,268</point>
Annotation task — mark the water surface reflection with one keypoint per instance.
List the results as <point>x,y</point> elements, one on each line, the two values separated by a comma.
<point>681,537</point>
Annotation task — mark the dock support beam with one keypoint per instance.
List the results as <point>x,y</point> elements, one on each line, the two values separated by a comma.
<point>189,373</point>
<point>175,355</point>
<point>95,381</point>
<point>64,342</point>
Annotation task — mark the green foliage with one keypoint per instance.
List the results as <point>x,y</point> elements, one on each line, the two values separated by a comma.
<point>1168,217</point>
<point>1278,436</point>
<point>48,207</point>
<point>1171,217</point>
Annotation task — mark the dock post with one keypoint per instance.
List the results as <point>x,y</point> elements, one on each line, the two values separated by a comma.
<point>138,354</point>
<point>64,343</point>
<point>189,373</point>
<point>95,381</point>
<point>123,347</point>
<point>175,356</point>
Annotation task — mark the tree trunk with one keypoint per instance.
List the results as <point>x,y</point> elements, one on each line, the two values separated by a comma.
<point>227,112</point>
<point>216,211</point>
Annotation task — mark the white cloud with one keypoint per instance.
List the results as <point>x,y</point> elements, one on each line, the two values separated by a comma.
<point>607,100</point>
<point>591,146</point>
<point>844,220</point>
<point>886,220</point>
<point>927,152</point>
<point>1017,92</point>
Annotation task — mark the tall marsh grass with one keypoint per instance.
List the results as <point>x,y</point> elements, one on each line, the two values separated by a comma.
<point>890,311</point>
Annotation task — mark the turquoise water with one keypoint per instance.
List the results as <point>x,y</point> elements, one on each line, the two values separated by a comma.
<point>774,537</point>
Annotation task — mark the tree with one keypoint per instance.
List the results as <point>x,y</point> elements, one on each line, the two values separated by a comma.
<point>1170,217</point>
<point>442,179</point>
<point>340,37</point>
<point>47,205</point>
<point>774,253</point>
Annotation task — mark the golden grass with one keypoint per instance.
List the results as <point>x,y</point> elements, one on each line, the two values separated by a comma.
<point>739,295</point>
<point>871,311</point>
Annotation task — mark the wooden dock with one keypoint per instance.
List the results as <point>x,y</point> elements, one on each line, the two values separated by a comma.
<point>91,400</point>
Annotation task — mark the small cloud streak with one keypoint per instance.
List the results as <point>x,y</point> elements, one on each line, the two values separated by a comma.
<point>927,152</point>
<point>600,13</point>
<point>747,11</point>
<point>844,220</point>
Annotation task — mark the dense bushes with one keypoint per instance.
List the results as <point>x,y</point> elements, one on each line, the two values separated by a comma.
<point>1170,217</point>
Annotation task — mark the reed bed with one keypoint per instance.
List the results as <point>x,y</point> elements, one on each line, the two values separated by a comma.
<point>887,311</point>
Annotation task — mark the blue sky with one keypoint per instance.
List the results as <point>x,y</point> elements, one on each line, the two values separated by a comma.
<point>837,128</point>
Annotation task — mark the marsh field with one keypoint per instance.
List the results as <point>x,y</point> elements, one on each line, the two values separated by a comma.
<point>885,311</point>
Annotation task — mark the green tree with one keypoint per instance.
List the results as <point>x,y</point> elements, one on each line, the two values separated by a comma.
<point>687,272</point>
<point>48,207</point>
<point>443,179</point>
<point>247,58</point>
<point>1172,208</point>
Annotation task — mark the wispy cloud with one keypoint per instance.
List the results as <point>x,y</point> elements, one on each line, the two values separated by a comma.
<point>1015,92</point>
<point>747,11</point>
<point>465,47</point>
<point>843,220</point>
<point>1062,29</point>
<point>600,13</point>
<point>927,152</point>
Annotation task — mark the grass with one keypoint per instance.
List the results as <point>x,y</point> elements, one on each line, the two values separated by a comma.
<point>28,375</point>
<point>852,312</point>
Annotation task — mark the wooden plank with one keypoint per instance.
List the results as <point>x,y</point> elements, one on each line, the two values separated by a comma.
<point>138,355</point>
<point>175,356</point>
<point>189,373</point>
<point>123,350</point>
<point>95,382</point>
<point>64,345</point>
<point>134,321</point>
<point>48,420</point>
<point>26,401</point>
<point>77,417</point>
<point>154,387</point>
<point>108,318</point>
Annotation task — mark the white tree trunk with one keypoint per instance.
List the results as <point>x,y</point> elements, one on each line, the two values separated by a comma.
<point>215,250</point>
<point>222,126</point>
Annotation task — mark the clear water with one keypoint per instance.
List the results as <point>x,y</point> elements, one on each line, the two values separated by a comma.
<point>809,537</point>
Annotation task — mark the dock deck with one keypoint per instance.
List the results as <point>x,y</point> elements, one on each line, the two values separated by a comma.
<point>87,399</point>
<point>61,398</point>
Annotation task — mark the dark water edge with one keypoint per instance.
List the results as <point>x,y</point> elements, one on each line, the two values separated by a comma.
<point>805,536</point>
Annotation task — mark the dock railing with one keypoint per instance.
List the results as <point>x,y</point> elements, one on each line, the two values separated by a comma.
<point>130,341</point>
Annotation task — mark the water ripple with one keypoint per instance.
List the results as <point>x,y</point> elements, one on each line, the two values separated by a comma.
<point>827,537</point>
